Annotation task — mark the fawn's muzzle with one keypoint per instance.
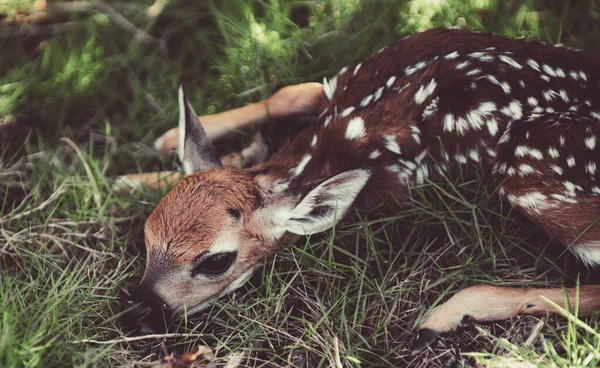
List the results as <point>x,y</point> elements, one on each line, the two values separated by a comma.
<point>146,312</point>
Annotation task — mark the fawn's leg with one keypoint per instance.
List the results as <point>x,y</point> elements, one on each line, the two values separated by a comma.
<point>548,168</point>
<point>301,99</point>
<point>256,153</point>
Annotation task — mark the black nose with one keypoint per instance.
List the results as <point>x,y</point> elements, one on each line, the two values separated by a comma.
<point>146,312</point>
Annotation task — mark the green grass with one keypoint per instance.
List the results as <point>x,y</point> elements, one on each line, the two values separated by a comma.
<point>69,245</point>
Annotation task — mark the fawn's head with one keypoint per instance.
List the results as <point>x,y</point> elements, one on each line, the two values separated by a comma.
<point>210,232</point>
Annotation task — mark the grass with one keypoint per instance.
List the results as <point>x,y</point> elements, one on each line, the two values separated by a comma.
<point>69,245</point>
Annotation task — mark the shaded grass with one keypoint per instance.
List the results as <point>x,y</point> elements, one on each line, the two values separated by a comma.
<point>68,245</point>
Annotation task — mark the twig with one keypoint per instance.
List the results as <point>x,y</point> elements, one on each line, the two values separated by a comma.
<point>137,338</point>
<point>535,332</point>
<point>37,30</point>
<point>336,351</point>
<point>126,25</point>
<point>57,193</point>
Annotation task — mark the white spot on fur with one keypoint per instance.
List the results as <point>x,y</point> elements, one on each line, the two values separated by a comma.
<point>548,70</point>
<point>561,140</point>
<point>347,111</point>
<point>504,85</point>
<point>449,122</point>
<point>513,110</point>
<point>432,108</point>
<point>525,169</point>
<point>462,65</point>
<point>365,101</point>
<point>452,55</point>
<point>532,200</point>
<point>553,152</point>
<point>476,116</point>
<point>522,151</point>
<point>591,168</point>
<point>416,134</point>
<point>356,69</point>
<point>298,169</point>
<point>563,95</point>
<point>377,95</point>
<point>590,142</point>
<point>473,72</point>
<point>492,126</point>
<point>557,169</point>
<point>532,101</point>
<point>390,82</point>
<point>462,126</point>
<point>571,161</point>
<point>422,174</point>
<point>532,63</point>
<point>327,121</point>
<point>510,61</point>
<point>373,155</point>
<point>329,87</point>
<point>391,144</point>
<point>314,141</point>
<point>589,253</point>
<point>355,129</point>
<point>425,91</point>
<point>409,70</point>
<point>460,158</point>
<point>393,168</point>
<point>474,155</point>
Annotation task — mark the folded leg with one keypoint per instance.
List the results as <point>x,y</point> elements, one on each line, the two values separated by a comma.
<point>301,99</point>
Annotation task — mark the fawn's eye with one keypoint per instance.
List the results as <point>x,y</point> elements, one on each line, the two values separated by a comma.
<point>235,213</point>
<point>215,264</point>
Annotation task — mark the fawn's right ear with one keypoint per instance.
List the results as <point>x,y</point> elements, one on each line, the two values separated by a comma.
<point>322,207</point>
<point>195,150</point>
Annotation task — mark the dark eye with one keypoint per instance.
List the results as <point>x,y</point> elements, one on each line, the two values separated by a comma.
<point>215,264</point>
<point>235,213</point>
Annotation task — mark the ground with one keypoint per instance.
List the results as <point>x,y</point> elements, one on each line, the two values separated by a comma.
<point>81,101</point>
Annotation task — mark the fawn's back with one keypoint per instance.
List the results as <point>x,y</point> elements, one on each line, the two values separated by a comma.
<point>446,97</point>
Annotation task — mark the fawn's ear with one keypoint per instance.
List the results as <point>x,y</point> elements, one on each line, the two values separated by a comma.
<point>195,150</point>
<point>325,205</point>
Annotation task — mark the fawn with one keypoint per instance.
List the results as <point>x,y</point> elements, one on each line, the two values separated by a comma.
<point>527,111</point>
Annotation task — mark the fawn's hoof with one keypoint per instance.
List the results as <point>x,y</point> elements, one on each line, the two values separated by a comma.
<point>425,337</point>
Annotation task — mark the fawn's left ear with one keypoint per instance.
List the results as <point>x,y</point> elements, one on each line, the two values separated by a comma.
<point>195,150</point>
<point>325,205</point>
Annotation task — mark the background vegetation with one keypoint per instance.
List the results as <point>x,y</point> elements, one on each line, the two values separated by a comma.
<point>85,88</point>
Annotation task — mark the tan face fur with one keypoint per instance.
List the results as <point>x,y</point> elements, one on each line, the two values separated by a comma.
<point>196,219</point>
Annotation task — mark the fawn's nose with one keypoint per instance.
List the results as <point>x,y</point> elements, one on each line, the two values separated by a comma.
<point>146,312</point>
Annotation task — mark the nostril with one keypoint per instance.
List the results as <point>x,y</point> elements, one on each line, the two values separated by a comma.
<point>145,312</point>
